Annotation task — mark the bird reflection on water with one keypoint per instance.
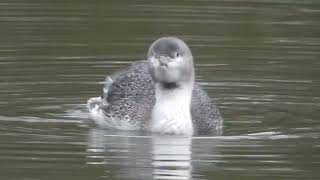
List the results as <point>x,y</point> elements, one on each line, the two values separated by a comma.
<point>125,154</point>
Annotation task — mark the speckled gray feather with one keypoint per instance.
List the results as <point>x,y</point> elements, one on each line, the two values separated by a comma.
<point>132,95</point>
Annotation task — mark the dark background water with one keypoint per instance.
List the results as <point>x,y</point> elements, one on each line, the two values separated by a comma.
<point>259,60</point>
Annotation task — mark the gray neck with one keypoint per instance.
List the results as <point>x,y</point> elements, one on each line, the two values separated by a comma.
<point>175,90</point>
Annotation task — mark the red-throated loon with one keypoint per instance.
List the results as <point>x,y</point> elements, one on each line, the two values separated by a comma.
<point>158,95</point>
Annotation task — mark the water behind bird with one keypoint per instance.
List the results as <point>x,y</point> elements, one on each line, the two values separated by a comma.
<point>258,60</point>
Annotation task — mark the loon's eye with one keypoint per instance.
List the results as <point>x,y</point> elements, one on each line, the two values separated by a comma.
<point>177,54</point>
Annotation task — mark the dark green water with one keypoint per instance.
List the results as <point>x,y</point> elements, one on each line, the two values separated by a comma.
<point>259,60</point>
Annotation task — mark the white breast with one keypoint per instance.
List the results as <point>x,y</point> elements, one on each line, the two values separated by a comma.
<point>171,113</point>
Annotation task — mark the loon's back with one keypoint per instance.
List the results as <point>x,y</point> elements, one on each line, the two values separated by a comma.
<point>130,95</point>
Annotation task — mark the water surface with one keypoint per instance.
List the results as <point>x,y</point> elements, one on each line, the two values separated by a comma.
<point>259,60</point>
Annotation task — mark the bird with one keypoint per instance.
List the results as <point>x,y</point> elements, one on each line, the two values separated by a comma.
<point>159,95</point>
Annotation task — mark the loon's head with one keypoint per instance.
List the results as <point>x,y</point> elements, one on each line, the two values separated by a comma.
<point>170,62</point>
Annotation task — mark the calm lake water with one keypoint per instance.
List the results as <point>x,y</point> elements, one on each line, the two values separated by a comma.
<point>259,60</point>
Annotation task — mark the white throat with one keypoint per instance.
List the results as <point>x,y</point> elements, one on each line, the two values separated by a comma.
<point>171,113</point>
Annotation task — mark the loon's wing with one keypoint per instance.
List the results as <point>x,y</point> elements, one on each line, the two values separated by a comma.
<point>205,114</point>
<point>133,83</point>
<point>130,94</point>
